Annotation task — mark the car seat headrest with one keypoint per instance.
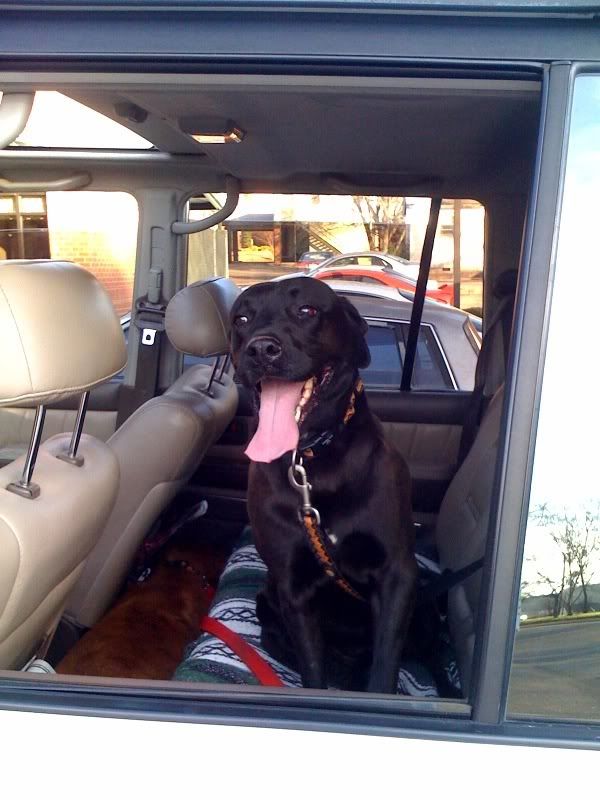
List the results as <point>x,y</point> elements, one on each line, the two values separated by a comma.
<point>59,331</point>
<point>197,317</point>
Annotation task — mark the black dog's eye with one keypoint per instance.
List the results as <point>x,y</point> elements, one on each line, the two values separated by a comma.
<point>307,311</point>
<point>241,319</point>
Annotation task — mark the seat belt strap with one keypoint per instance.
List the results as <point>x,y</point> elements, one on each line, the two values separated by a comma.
<point>449,578</point>
<point>414,327</point>
<point>149,317</point>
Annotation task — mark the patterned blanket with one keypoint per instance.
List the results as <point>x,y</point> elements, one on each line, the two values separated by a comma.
<point>210,660</point>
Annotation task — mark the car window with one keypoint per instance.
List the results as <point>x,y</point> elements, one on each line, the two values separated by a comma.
<point>556,661</point>
<point>385,368</point>
<point>430,372</point>
<point>370,261</point>
<point>269,236</point>
<point>97,230</point>
<point>87,128</point>
<point>24,227</point>
<point>387,345</point>
<point>348,261</point>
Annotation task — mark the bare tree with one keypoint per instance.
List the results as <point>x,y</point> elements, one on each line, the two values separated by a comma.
<point>384,222</point>
<point>577,539</point>
<point>589,544</point>
<point>554,587</point>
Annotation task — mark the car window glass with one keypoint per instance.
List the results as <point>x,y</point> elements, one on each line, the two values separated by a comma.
<point>97,230</point>
<point>24,226</point>
<point>370,261</point>
<point>387,345</point>
<point>429,372</point>
<point>556,661</point>
<point>270,236</point>
<point>345,262</point>
<point>87,128</point>
<point>385,368</point>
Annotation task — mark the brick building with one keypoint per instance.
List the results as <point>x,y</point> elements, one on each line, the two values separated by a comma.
<point>97,230</point>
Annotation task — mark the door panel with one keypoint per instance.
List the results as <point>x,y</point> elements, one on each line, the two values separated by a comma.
<point>430,450</point>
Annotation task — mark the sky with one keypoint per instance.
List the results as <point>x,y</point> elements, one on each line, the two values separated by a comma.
<point>47,126</point>
<point>567,457</point>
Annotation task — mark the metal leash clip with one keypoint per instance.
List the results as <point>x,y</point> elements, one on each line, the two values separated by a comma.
<point>299,481</point>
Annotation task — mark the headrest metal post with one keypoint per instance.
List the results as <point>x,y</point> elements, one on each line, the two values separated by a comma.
<point>24,487</point>
<point>223,369</point>
<point>71,456</point>
<point>213,375</point>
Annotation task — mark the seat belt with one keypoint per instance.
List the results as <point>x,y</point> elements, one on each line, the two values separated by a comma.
<point>149,317</point>
<point>448,579</point>
<point>414,327</point>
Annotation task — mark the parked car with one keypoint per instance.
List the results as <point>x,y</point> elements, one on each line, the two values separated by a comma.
<point>448,343</point>
<point>314,257</point>
<point>391,287</point>
<point>446,354</point>
<point>380,268</point>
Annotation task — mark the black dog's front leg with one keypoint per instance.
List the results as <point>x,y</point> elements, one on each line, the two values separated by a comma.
<point>305,631</point>
<point>392,606</point>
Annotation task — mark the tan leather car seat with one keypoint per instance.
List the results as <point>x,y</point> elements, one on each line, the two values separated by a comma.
<point>463,520</point>
<point>60,337</point>
<point>462,531</point>
<point>160,446</point>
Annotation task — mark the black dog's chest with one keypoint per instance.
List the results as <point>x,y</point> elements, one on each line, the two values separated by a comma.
<point>348,532</point>
<point>335,551</point>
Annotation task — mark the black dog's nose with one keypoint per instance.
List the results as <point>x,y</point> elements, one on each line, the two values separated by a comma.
<point>264,349</point>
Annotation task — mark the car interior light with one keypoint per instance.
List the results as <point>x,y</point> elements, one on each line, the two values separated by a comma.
<point>234,135</point>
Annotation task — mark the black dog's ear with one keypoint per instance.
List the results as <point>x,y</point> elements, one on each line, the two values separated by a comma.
<point>358,328</point>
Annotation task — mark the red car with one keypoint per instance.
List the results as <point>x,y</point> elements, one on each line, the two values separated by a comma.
<point>380,268</point>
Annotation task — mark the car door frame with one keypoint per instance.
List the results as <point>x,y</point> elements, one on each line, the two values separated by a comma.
<point>501,577</point>
<point>315,710</point>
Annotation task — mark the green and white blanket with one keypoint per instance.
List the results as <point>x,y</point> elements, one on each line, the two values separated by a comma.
<point>210,660</point>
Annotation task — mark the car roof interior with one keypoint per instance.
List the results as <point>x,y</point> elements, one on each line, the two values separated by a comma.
<point>466,137</point>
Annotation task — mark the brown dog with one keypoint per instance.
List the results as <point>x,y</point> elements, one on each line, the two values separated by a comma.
<point>145,633</point>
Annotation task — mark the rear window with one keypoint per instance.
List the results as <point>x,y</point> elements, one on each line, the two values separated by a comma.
<point>273,235</point>
<point>97,230</point>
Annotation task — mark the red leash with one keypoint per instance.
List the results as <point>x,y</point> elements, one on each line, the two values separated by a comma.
<point>261,669</point>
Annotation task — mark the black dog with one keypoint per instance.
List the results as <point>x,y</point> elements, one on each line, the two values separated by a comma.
<point>341,587</point>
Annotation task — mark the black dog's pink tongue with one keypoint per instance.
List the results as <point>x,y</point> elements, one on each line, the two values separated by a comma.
<point>277,431</point>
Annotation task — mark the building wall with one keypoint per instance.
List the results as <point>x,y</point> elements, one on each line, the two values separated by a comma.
<point>207,254</point>
<point>98,231</point>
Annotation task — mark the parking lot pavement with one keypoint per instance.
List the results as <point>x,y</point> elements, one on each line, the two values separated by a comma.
<point>556,670</point>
